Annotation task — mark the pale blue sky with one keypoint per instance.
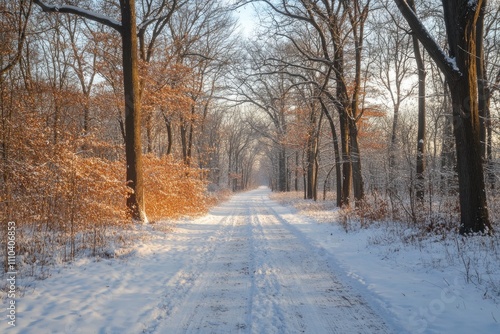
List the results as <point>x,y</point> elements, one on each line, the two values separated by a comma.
<point>247,19</point>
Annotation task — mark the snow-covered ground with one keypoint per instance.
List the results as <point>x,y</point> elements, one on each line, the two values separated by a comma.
<point>254,266</point>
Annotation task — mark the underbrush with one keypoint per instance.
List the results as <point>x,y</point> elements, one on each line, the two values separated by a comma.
<point>173,189</point>
<point>68,200</point>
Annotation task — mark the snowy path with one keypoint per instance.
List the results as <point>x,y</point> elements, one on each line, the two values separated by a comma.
<point>243,268</point>
<point>261,278</point>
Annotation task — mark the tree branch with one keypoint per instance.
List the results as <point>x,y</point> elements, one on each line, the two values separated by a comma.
<point>21,37</point>
<point>444,62</point>
<point>107,21</point>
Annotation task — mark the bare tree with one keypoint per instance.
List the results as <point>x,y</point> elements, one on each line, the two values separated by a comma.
<point>15,17</point>
<point>133,147</point>
<point>391,49</point>
<point>463,22</point>
<point>240,149</point>
<point>338,28</point>
<point>199,38</point>
<point>269,92</point>
<point>83,63</point>
<point>419,59</point>
<point>155,16</point>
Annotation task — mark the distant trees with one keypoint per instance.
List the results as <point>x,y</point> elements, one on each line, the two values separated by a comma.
<point>329,38</point>
<point>393,68</point>
<point>241,150</point>
<point>269,94</point>
<point>353,61</point>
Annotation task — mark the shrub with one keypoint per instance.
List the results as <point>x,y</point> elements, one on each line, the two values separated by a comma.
<point>172,189</point>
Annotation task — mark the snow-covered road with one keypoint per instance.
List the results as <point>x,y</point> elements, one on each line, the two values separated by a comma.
<point>243,268</point>
<point>256,275</point>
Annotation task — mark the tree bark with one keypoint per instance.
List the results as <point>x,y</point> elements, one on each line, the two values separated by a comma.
<point>149,132</point>
<point>312,168</point>
<point>168,125</point>
<point>133,147</point>
<point>282,169</point>
<point>346,160</point>
<point>357,176</point>
<point>419,186</point>
<point>482,82</point>
<point>343,110</point>
<point>357,16</point>
<point>338,170</point>
<point>394,136</point>
<point>296,178</point>
<point>462,43</point>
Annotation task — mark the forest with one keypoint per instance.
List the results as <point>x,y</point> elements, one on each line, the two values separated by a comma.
<point>121,112</point>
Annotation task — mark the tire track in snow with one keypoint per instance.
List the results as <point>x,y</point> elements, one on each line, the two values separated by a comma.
<point>266,314</point>
<point>339,307</point>
<point>217,300</point>
<point>296,290</point>
<point>294,312</point>
<point>251,269</point>
<point>258,274</point>
<point>179,287</point>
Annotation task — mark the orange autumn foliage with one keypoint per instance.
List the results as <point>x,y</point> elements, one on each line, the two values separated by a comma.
<point>172,188</point>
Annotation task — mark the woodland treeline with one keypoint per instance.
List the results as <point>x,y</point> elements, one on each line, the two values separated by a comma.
<point>145,109</point>
<point>393,105</point>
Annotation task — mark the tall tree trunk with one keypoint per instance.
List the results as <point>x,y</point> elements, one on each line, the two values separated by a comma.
<point>312,153</point>
<point>394,136</point>
<point>184,140</point>
<point>462,18</point>
<point>316,168</point>
<point>169,139</point>
<point>474,212</point>
<point>473,204</point>
<point>86,116</point>
<point>304,178</point>
<point>311,171</point>
<point>190,144</point>
<point>484,100</point>
<point>149,132</point>
<point>419,186</point>
<point>343,104</point>
<point>282,169</point>
<point>338,169</point>
<point>168,125</point>
<point>357,176</point>
<point>482,82</point>
<point>296,181</point>
<point>489,153</point>
<point>346,159</point>
<point>447,147</point>
<point>357,16</point>
<point>133,147</point>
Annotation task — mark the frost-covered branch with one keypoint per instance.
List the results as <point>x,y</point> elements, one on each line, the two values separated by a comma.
<point>107,21</point>
<point>445,63</point>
